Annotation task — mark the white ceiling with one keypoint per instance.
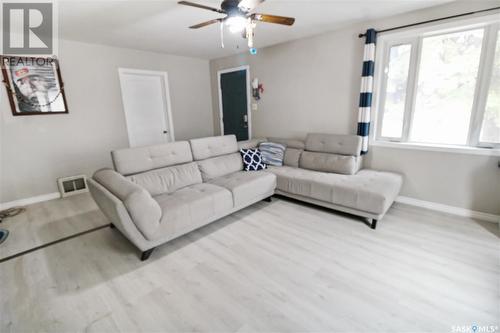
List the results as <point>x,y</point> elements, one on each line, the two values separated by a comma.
<point>162,26</point>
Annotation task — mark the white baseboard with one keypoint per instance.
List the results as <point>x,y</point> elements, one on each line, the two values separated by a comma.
<point>449,209</point>
<point>29,201</point>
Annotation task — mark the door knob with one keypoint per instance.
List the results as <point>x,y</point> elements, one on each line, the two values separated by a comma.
<point>165,132</point>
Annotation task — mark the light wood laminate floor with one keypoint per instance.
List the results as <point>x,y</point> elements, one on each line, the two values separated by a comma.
<point>49,221</point>
<point>280,267</point>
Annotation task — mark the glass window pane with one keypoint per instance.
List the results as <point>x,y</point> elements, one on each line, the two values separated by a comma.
<point>395,92</point>
<point>446,83</point>
<point>490,131</point>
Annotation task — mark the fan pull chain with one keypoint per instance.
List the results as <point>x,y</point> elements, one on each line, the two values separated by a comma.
<point>222,34</point>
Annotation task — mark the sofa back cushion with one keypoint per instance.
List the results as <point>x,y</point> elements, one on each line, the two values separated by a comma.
<point>220,166</point>
<point>334,143</point>
<point>289,143</point>
<point>252,143</point>
<point>214,146</point>
<point>135,160</point>
<point>326,162</point>
<point>169,179</point>
<point>292,157</point>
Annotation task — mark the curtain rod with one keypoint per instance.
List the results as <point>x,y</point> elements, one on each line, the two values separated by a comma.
<point>434,20</point>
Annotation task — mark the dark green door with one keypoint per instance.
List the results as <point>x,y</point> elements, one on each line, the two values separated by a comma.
<point>234,103</point>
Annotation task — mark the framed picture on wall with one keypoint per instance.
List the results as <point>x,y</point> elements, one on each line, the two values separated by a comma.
<point>34,85</point>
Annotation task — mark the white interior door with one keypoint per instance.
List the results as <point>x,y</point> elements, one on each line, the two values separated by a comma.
<point>146,103</point>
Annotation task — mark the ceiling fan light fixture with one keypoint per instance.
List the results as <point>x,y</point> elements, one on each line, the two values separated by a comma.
<point>236,24</point>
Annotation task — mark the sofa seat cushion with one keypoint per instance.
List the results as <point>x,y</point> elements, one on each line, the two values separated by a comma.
<point>247,187</point>
<point>368,190</point>
<point>192,207</point>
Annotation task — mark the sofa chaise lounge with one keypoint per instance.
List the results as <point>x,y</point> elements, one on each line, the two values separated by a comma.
<point>326,170</point>
<point>158,193</point>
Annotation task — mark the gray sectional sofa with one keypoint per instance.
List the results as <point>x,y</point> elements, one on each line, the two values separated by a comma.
<point>158,193</point>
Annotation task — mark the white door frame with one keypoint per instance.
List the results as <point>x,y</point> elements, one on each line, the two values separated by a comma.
<point>124,71</point>
<point>249,95</point>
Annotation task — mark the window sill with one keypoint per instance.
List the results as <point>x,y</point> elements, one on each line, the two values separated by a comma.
<point>437,148</point>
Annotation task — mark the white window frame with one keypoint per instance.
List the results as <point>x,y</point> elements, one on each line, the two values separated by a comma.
<point>414,37</point>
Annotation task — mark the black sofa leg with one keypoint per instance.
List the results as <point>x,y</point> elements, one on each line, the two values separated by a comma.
<point>268,199</point>
<point>373,224</point>
<point>112,226</point>
<point>146,254</point>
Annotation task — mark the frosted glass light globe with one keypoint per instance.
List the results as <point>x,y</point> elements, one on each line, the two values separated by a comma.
<point>236,23</point>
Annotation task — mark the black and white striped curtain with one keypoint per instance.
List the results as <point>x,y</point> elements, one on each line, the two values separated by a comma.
<point>365,97</point>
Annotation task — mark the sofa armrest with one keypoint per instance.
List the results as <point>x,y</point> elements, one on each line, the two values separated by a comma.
<point>144,211</point>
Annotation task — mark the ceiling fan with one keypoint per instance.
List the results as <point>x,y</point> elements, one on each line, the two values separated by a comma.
<point>239,17</point>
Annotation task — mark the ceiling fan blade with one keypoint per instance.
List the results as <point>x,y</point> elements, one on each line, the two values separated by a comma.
<point>192,4</point>
<point>204,24</point>
<point>273,19</point>
<point>248,5</point>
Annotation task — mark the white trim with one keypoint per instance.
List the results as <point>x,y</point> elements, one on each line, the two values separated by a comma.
<point>123,71</point>
<point>29,201</point>
<point>414,37</point>
<point>488,62</point>
<point>449,209</point>
<point>249,96</point>
<point>486,66</point>
<point>439,148</point>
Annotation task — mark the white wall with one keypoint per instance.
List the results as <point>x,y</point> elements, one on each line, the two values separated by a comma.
<point>36,150</point>
<point>312,85</point>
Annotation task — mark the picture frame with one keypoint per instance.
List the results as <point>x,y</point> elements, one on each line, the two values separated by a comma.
<point>34,85</point>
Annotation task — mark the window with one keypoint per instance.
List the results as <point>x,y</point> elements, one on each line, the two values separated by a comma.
<point>440,87</point>
<point>395,92</point>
